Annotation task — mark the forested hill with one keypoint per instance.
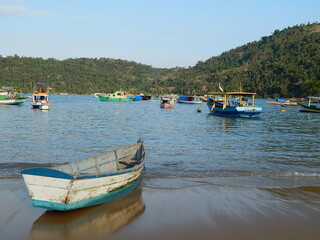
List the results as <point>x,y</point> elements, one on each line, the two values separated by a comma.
<point>80,76</point>
<point>283,64</point>
<point>287,63</point>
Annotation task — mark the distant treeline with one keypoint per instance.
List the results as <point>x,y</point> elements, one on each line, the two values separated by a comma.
<point>283,64</point>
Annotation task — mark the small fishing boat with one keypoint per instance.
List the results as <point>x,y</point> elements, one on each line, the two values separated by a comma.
<point>98,94</point>
<point>289,104</point>
<point>204,99</point>
<point>313,105</point>
<point>143,98</point>
<point>189,99</point>
<point>10,96</point>
<point>88,182</point>
<point>167,102</point>
<point>278,101</point>
<point>41,96</point>
<point>118,96</point>
<point>235,104</point>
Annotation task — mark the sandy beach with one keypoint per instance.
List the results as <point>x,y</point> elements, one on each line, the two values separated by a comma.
<point>153,211</point>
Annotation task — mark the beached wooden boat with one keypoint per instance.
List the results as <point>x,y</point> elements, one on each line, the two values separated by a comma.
<point>89,182</point>
<point>235,104</point>
<point>118,96</point>
<point>41,96</point>
<point>9,96</point>
<point>167,102</point>
<point>189,99</point>
<point>312,106</point>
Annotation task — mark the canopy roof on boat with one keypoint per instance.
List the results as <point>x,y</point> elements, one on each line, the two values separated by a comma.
<point>316,98</point>
<point>231,93</point>
<point>42,83</point>
<point>6,89</point>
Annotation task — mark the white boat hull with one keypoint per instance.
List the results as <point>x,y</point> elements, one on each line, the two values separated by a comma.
<point>13,101</point>
<point>189,102</point>
<point>44,107</point>
<point>88,182</point>
<point>66,194</point>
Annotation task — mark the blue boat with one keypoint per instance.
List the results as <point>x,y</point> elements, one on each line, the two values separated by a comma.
<point>189,99</point>
<point>143,98</point>
<point>234,104</point>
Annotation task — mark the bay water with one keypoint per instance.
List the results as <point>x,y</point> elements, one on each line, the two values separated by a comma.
<point>280,149</point>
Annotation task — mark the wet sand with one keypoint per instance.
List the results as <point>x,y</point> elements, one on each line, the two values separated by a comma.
<point>162,209</point>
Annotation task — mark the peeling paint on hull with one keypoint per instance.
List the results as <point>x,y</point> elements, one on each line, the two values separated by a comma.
<point>63,194</point>
<point>55,206</point>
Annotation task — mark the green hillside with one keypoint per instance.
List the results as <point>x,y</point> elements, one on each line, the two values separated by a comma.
<point>81,75</point>
<point>283,64</point>
<point>287,63</point>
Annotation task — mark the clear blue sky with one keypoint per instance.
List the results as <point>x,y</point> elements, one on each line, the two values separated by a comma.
<point>164,33</point>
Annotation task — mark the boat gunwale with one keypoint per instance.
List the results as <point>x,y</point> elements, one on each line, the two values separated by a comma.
<point>77,176</point>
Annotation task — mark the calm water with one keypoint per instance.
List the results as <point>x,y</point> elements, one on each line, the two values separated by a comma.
<point>281,149</point>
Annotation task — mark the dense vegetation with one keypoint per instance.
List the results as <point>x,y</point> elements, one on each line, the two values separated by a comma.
<point>283,64</point>
<point>81,76</point>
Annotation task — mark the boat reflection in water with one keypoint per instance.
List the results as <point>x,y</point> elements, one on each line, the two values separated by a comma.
<point>89,223</point>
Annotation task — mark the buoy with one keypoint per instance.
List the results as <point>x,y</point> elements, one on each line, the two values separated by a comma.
<point>199,110</point>
<point>283,110</point>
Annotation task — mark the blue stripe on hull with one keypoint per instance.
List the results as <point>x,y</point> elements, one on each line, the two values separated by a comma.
<point>49,172</point>
<point>86,202</point>
<point>238,114</point>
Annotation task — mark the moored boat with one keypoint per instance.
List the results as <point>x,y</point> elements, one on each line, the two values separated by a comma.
<point>143,98</point>
<point>88,182</point>
<point>98,94</point>
<point>189,99</point>
<point>41,96</point>
<point>118,96</point>
<point>278,101</point>
<point>9,96</point>
<point>289,104</point>
<point>312,106</point>
<point>167,102</point>
<point>235,104</point>
<point>204,99</point>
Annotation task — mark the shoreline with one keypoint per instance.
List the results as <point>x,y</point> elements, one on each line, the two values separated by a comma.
<point>153,211</point>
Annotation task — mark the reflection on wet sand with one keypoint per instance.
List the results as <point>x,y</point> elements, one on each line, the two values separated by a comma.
<point>89,223</point>
<point>308,194</point>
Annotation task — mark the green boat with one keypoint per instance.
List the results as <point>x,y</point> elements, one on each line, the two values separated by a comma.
<point>309,107</point>
<point>9,96</point>
<point>118,96</point>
